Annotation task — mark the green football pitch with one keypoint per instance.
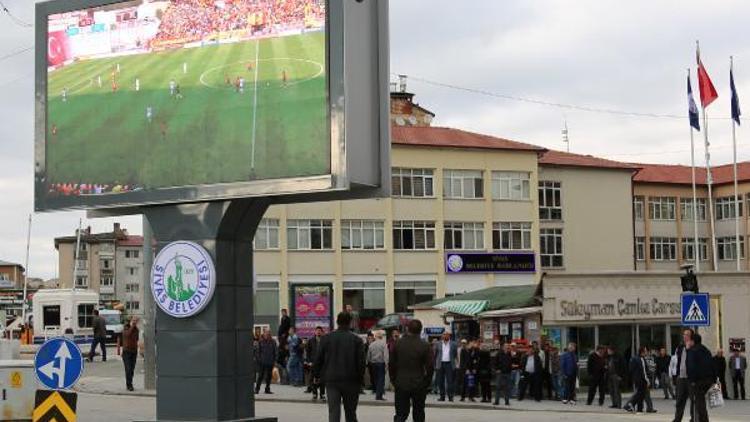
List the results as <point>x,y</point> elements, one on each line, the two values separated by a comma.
<point>212,132</point>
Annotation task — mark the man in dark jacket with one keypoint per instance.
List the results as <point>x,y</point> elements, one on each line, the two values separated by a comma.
<point>596,368</point>
<point>411,369</point>
<point>100,336</point>
<point>469,366</point>
<point>738,366</point>
<point>446,353</point>
<point>639,376</point>
<point>265,358</point>
<point>531,377</point>
<point>503,367</point>
<point>701,375</point>
<point>284,325</point>
<point>569,369</point>
<point>340,365</point>
<point>313,348</point>
<point>720,366</point>
<point>683,384</point>
<point>615,374</point>
<point>130,350</point>
<point>662,373</point>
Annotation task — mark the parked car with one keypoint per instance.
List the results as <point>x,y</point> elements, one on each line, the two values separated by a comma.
<point>395,321</point>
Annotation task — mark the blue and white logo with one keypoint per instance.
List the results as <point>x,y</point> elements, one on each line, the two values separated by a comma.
<point>696,309</point>
<point>455,263</point>
<point>58,364</point>
<point>183,279</point>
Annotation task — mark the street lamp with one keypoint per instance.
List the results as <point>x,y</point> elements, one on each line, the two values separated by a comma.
<point>689,279</point>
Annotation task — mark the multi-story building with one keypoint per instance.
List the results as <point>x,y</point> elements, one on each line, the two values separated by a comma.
<point>109,263</point>
<point>452,192</point>
<point>665,226</point>
<point>12,275</point>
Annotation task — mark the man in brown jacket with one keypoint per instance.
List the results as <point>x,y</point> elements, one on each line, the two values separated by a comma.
<point>130,350</point>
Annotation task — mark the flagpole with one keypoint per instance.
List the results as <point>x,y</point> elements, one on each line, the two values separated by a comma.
<point>736,194</point>
<point>696,250</point>
<point>709,179</point>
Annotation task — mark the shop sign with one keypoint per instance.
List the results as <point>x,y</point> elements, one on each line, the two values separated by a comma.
<point>621,308</point>
<point>490,263</point>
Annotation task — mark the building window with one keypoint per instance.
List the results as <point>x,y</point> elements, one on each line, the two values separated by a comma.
<point>662,208</point>
<point>82,282</point>
<point>725,208</point>
<point>362,234</point>
<point>463,184</point>
<point>413,235</point>
<point>640,248</point>
<point>266,301</point>
<point>464,236</point>
<point>550,202</point>
<point>412,183</point>
<point>132,270</point>
<point>132,305</point>
<point>727,248</point>
<point>368,299</point>
<point>106,264</point>
<point>309,234</point>
<point>551,248</point>
<point>108,281</point>
<point>508,185</point>
<point>132,253</point>
<point>511,236</point>
<point>688,249</point>
<point>132,288</point>
<point>638,207</point>
<point>663,248</point>
<point>409,293</point>
<point>267,234</point>
<point>686,209</point>
<point>86,315</point>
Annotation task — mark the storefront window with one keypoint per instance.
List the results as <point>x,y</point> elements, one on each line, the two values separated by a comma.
<point>266,304</point>
<point>619,336</point>
<point>408,293</point>
<point>675,334</point>
<point>517,330</point>
<point>368,299</point>
<point>584,337</point>
<point>652,336</point>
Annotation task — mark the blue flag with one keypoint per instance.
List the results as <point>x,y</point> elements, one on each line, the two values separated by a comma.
<point>692,108</point>
<point>735,99</point>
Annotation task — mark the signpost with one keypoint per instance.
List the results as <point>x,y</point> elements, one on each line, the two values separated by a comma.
<point>696,309</point>
<point>202,148</point>
<point>58,365</point>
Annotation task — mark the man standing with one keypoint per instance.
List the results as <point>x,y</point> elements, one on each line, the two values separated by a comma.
<point>266,357</point>
<point>445,353</point>
<point>100,336</point>
<point>355,318</point>
<point>503,367</point>
<point>701,375</point>
<point>596,368</point>
<point>377,356</point>
<point>516,358</point>
<point>720,366</point>
<point>615,374</point>
<point>313,348</point>
<point>340,365</point>
<point>294,366</point>
<point>532,376</point>
<point>411,369</point>
<point>640,381</point>
<point>662,373</point>
<point>569,369</point>
<point>683,384</point>
<point>284,325</point>
<point>130,350</point>
<point>738,365</point>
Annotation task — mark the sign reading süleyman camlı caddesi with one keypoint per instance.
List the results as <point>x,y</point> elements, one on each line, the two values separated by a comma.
<point>183,279</point>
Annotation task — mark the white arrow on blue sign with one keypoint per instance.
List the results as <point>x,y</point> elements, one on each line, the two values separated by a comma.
<point>696,309</point>
<point>58,364</point>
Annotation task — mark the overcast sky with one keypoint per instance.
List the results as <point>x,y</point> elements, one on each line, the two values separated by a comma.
<point>607,54</point>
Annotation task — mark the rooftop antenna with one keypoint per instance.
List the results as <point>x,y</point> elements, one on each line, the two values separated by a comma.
<point>402,83</point>
<point>565,137</point>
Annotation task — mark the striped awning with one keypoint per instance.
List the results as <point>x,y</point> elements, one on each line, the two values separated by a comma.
<point>464,307</point>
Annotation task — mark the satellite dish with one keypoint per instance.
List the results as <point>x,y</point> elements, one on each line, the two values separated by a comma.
<point>400,121</point>
<point>412,120</point>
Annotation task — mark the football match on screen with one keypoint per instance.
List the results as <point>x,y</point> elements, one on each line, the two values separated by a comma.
<point>145,95</point>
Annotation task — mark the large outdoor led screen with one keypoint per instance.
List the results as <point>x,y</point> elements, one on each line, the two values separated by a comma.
<point>166,101</point>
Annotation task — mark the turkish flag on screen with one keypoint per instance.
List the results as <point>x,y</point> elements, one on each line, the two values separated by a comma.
<point>58,48</point>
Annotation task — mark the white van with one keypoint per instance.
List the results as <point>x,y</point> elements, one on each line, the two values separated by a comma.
<point>56,311</point>
<point>113,319</point>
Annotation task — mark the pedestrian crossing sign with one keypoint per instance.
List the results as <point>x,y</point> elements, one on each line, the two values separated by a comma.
<point>696,309</point>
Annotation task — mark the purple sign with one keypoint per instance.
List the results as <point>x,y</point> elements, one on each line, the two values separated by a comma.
<point>312,308</point>
<point>524,262</point>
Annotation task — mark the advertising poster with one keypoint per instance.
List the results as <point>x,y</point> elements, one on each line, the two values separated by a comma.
<point>737,345</point>
<point>313,308</point>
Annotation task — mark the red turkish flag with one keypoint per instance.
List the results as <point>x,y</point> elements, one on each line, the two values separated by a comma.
<point>707,90</point>
<point>58,48</point>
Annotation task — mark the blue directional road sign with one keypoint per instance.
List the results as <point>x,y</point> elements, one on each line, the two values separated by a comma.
<point>696,310</point>
<point>58,364</point>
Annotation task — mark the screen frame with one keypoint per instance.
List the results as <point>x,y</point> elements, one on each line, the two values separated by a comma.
<point>335,181</point>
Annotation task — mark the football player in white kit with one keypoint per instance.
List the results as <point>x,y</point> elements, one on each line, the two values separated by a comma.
<point>242,85</point>
<point>149,114</point>
<point>172,86</point>
<point>65,94</point>
<point>137,84</point>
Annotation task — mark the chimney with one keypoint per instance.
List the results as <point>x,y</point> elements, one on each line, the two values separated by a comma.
<point>117,227</point>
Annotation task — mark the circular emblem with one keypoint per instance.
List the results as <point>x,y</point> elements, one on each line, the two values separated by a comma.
<point>455,263</point>
<point>183,279</point>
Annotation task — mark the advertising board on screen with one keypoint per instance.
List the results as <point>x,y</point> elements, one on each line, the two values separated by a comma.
<point>312,308</point>
<point>167,101</point>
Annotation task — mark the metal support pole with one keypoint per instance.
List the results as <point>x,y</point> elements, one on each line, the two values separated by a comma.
<point>149,313</point>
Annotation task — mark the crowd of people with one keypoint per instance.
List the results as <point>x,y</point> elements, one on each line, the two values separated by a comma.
<point>78,189</point>
<point>194,20</point>
<point>470,370</point>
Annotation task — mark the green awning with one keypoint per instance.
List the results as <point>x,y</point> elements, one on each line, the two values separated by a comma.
<point>464,307</point>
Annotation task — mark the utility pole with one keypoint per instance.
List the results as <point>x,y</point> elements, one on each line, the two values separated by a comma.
<point>149,314</point>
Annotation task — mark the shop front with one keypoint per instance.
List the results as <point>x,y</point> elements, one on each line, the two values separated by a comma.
<point>630,310</point>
